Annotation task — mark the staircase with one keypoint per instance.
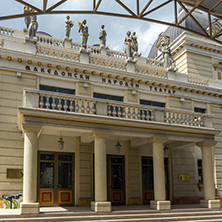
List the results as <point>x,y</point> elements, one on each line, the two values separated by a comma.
<point>190,215</point>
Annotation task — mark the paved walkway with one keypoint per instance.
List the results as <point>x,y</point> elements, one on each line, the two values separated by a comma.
<point>61,210</point>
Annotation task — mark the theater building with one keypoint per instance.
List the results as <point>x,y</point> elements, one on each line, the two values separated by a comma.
<point>91,128</point>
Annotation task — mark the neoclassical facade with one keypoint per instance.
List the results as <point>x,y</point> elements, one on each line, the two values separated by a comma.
<point>92,128</point>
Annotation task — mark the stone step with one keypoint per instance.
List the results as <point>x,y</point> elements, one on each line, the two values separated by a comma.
<point>196,216</point>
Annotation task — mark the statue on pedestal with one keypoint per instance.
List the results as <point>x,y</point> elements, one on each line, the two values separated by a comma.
<point>33,26</point>
<point>128,45</point>
<point>102,36</point>
<point>27,18</point>
<point>83,28</point>
<point>68,26</point>
<point>163,46</point>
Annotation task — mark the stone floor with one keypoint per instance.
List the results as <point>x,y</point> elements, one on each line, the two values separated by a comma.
<point>52,210</point>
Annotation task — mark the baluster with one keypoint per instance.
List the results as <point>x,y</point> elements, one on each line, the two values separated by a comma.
<point>119,111</point>
<point>124,112</point>
<point>53,102</point>
<point>47,104</point>
<point>83,107</point>
<point>59,103</point>
<point>76,105</point>
<point>177,118</point>
<point>165,117</point>
<point>87,107</point>
<point>134,114</point>
<point>173,119</point>
<point>114,111</point>
<point>65,104</point>
<point>109,110</point>
<point>138,114</point>
<point>41,103</point>
<point>93,107</point>
<point>71,107</point>
<point>169,117</point>
<point>129,113</point>
<point>190,118</point>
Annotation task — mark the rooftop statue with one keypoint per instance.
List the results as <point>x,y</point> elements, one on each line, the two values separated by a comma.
<point>83,29</point>
<point>135,43</point>
<point>33,26</point>
<point>68,26</point>
<point>27,18</point>
<point>128,45</point>
<point>102,36</point>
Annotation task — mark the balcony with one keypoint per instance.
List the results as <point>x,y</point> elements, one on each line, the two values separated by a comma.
<point>89,108</point>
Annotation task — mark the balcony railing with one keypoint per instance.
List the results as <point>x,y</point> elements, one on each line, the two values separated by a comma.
<point>64,103</point>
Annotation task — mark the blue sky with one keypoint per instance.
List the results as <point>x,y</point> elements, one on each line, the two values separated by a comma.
<point>116,27</point>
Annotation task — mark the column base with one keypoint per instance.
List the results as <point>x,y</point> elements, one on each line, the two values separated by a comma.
<point>160,204</point>
<point>29,208</point>
<point>212,204</point>
<point>101,206</point>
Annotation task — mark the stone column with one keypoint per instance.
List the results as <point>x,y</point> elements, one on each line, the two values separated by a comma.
<point>100,204</point>
<point>30,204</point>
<point>84,56</point>
<point>208,175</point>
<point>131,65</point>
<point>159,201</point>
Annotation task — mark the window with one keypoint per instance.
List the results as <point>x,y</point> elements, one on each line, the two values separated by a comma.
<point>151,103</point>
<point>110,97</point>
<point>56,100</point>
<point>199,110</point>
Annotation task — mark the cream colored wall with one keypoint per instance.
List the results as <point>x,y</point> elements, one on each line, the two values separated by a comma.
<point>199,64</point>
<point>181,63</point>
<point>176,104</point>
<point>184,162</point>
<point>49,143</point>
<point>11,146</point>
<point>217,122</point>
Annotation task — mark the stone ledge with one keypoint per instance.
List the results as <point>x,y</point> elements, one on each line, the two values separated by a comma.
<point>160,204</point>
<point>211,204</point>
<point>29,208</point>
<point>101,206</point>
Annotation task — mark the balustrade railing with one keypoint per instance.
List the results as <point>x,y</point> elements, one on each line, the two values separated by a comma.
<point>113,109</point>
<point>7,31</point>
<point>154,62</point>
<point>149,71</point>
<point>116,54</point>
<point>196,80</point>
<point>57,53</point>
<point>49,40</point>
<point>107,62</point>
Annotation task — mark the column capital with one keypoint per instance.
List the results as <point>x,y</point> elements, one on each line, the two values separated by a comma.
<point>99,134</point>
<point>206,143</point>
<point>31,128</point>
<point>157,139</point>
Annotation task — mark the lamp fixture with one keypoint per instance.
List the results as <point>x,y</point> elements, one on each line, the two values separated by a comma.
<point>118,146</point>
<point>60,142</point>
<point>133,92</point>
<point>85,85</point>
<point>182,99</point>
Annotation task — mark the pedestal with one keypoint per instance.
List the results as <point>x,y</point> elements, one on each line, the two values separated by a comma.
<point>211,204</point>
<point>103,50</point>
<point>101,206</point>
<point>29,208</point>
<point>160,204</point>
<point>130,65</point>
<point>67,42</point>
<point>31,44</point>
<point>84,56</point>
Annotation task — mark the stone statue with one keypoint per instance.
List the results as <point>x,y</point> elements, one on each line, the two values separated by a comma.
<point>68,26</point>
<point>27,18</point>
<point>166,52</point>
<point>128,45</point>
<point>33,26</point>
<point>102,36</point>
<point>135,43</point>
<point>83,28</point>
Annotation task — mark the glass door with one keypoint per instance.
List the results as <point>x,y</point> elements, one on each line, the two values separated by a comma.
<point>116,179</point>
<point>56,179</point>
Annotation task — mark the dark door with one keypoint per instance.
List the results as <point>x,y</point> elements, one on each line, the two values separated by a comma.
<point>116,179</point>
<point>56,179</point>
<point>147,179</point>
